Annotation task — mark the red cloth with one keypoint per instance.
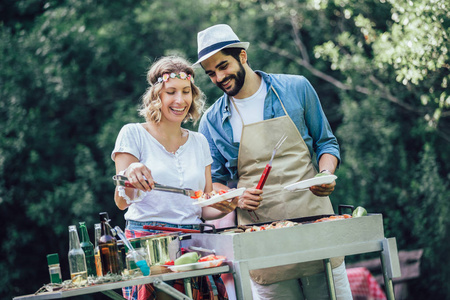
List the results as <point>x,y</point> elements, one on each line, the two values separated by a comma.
<point>363,285</point>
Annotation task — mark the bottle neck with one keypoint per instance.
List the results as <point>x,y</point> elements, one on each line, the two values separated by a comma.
<point>106,229</point>
<point>74,242</point>
<point>84,234</point>
<point>98,233</point>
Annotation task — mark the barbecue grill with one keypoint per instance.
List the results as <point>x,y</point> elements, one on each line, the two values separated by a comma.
<point>302,243</point>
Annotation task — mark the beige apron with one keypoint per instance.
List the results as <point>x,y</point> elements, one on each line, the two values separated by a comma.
<point>291,163</point>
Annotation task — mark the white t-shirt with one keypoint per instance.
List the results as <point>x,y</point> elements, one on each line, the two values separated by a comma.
<point>251,110</point>
<point>184,169</point>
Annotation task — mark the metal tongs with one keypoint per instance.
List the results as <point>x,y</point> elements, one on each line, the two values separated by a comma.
<point>121,180</point>
<point>266,171</point>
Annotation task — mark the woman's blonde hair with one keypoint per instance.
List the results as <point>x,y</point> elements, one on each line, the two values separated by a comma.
<point>151,102</point>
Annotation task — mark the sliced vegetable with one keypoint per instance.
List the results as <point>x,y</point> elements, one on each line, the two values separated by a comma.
<point>210,257</point>
<point>198,194</point>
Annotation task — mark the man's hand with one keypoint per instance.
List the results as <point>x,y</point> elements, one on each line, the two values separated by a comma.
<point>250,199</point>
<point>327,166</point>
<point>323,190</point>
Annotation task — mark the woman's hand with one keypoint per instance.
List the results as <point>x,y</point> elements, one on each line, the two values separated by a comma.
<point>226,206</point>
<point>140,176</point>
<point>250,199</point>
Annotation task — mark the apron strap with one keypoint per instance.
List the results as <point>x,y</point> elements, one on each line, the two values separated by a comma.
<point>279,99</point>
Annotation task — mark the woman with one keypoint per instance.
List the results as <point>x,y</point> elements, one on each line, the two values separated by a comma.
<point>161,151</point>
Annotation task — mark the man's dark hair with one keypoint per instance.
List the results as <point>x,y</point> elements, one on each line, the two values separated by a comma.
<point>233,52</point>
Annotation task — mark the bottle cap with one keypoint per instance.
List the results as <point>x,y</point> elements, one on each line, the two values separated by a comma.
<point>104,216</point>
<point>82,224</point>
<point>53,259</point>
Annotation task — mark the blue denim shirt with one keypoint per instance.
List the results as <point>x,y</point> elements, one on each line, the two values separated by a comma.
<point>302,105</point>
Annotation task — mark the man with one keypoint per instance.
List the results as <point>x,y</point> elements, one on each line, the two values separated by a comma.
<point>242,128</point>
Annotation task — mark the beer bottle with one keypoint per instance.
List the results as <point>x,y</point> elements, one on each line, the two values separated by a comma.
<point>98,261</point>
<point>107,244</point>
<point>88,249</point>
<point>77,259</point>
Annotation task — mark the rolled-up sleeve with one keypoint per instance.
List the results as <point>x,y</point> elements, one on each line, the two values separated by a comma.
<point>323,139</point>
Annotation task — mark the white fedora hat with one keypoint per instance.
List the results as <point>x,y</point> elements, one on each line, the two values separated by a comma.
<point>215,38</point>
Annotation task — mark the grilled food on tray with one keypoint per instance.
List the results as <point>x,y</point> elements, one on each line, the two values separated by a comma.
<point>274,225</point>
<point>333,218</point>
<point>287,223</point>
<point>201,196</point>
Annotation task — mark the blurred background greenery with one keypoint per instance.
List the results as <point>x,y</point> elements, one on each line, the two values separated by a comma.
<point>72,73</point>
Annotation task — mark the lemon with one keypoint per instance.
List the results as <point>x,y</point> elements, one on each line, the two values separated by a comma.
<point>359,212</point>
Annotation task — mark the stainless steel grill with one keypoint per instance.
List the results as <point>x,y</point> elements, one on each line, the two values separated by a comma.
<point>302,243</point>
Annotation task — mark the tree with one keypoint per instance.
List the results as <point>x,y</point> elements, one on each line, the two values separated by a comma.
<point>73,73</point>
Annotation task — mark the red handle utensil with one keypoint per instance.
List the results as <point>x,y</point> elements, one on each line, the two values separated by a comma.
<point>268,167</point>
<point>266,171</point>
<point>264,176</point>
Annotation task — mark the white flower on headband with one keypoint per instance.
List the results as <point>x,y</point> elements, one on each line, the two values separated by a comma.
<point>182,75</point>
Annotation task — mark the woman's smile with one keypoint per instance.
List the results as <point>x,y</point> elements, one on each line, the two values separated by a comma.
<point>178,110</point>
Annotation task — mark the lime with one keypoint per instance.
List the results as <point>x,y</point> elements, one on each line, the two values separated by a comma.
<point>359,212</point>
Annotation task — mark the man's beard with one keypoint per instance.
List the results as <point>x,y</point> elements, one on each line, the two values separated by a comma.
<point>239,80</point>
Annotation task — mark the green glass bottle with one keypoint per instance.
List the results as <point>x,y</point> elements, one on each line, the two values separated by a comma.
<point>88,249</point>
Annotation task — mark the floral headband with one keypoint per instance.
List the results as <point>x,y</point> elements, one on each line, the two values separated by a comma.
<point>182,75</point>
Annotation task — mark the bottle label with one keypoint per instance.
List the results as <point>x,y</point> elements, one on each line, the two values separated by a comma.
<point>55,275</point>
<point>98,264</point>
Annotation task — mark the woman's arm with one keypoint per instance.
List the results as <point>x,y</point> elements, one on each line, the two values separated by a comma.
<point>219,209</point>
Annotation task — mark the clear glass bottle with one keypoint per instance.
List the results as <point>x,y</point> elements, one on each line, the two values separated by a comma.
<point>109,253</point>
<point>130,258</point>
<point>98,261</point>
<point>88,249</point>
<point>53,268</point>
<point>77,259</point>
<point>137,245</point>
<point>131,264</point>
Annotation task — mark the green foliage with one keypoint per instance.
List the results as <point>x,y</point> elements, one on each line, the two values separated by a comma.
<point>73,73</point>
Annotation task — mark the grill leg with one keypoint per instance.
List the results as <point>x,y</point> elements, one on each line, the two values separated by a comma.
<point>329,278</point>
<point>389,288</point>
<point>390,265</point>
<point>187,287</point>
<point>242,280</point>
